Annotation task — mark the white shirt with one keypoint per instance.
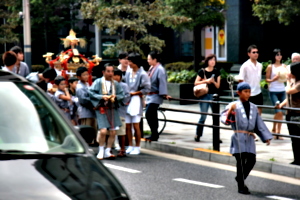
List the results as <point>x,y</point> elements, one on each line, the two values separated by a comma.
<point>251,74</point>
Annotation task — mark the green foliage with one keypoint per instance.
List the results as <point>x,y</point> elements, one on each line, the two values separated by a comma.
<point>223,73</point>
<point>204,13</point>
<point>183,76</point>
<point>284,11</point>
<point>147,132</point>
<point>265,65</point>
<point>180,72</point>
<point>178,66</point>
<point>9,16</point>
<point>272,159</point>
<point>134,17</point>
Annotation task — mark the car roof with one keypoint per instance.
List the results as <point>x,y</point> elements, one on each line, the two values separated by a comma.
<point>10,76</point>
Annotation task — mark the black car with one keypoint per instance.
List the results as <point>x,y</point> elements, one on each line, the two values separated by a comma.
<point>42,156</point>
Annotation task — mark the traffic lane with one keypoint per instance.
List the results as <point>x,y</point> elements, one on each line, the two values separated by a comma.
<point>157,174</point>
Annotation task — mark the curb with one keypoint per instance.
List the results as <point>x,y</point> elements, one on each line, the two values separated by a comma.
<point>224,158</point>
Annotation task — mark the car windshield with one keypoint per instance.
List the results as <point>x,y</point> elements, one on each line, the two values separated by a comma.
<point>29,123</point>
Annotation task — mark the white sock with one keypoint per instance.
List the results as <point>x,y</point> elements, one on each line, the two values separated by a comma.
<point>101,148</point>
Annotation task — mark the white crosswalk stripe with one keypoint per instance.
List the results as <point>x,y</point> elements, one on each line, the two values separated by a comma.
<point>198,183</point>
<point>121,168</point>
<point>278,198</point>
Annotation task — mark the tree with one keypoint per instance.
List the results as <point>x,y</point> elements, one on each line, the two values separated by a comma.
<point>134,17</point>
<point>8,22</point>
<point>285,11</point>
<point>204,13</point>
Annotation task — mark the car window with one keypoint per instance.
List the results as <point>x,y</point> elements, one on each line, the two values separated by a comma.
<point>28,122</point>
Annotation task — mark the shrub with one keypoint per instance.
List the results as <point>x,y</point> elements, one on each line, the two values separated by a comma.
<point>184,76</point>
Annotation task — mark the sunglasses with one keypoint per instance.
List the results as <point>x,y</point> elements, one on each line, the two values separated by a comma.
<point>278,54</point>
<point>254,52</point>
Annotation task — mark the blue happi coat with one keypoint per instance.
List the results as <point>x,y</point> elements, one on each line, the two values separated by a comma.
<point>240,140</point>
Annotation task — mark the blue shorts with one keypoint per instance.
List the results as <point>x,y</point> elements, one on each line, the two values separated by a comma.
<point>277,96</point>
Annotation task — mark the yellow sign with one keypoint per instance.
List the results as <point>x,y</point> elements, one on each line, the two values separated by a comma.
<point>221,37</point>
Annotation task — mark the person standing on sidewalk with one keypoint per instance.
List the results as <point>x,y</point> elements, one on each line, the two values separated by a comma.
<point>105,95</point>
<point>121,133</point>
<point>139,85</point>
<point>211,76</point>
<point>250,72</point>
<point>276,76</point>
<point>245,120</point>
<point>21,68</point>
<point>86,113</point>
<point>158,92</point>
<point>293,101</point>
<point>123,66</point>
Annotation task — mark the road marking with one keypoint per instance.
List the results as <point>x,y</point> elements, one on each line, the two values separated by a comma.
<point>278,198</point>
<point>196,161</point>
<point>121,168</point>
<point>197,183</point>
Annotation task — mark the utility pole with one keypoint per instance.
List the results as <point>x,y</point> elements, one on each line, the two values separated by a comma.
<point>27,33</point>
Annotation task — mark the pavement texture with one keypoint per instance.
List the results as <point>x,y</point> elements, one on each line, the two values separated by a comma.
<point>179,139</point>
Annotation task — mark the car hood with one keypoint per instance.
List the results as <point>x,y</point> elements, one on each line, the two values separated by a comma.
<point>76,177</point>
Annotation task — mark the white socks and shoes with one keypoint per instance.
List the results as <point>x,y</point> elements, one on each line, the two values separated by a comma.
<point>100,153</point>
<point>135,151</point>
<point>104,153</point>
<point>107,153</point>
<point>129,149</point>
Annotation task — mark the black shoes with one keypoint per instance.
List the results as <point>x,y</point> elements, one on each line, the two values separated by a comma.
<point>242,188</point>
<point>150,139</point>
<point>295,163</point>
<point>197,138</point>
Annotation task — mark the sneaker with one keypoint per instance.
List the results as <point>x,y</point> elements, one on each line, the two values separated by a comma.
<point>136,151</point>
<point>129,149</point>
<point>101,153</point>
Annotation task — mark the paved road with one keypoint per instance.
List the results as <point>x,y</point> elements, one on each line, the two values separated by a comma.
<point>156,175</point>
<point>182,135</point>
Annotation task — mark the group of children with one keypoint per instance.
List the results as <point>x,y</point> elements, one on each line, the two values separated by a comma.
<point>72,96</point>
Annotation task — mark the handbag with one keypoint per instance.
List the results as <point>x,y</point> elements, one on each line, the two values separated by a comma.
<point>202,89</point>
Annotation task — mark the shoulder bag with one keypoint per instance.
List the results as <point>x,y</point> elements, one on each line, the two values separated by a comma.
<point>202,89</point>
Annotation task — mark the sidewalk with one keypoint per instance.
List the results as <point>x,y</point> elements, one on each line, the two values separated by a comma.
<point>179,139</point>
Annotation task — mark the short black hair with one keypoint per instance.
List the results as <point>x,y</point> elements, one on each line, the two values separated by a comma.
<point>123,55</point>
<point>252,46</point>
<point>107,65</point>
<point>9,58</point>
<point>16,49</point>
<point>59,79</point>
<point>155,55</point>
<point>118,72</point>
<point>135,58</point>
<point>81,70</point>
<point>49,73</point>
<point>72,79</point>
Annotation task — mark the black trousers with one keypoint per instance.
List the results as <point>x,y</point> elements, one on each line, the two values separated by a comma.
<point>152,119</point>
<point>244,164</point>
<point>294,129</point>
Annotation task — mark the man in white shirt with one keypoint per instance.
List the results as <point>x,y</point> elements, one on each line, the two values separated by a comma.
<point>250,72</point>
